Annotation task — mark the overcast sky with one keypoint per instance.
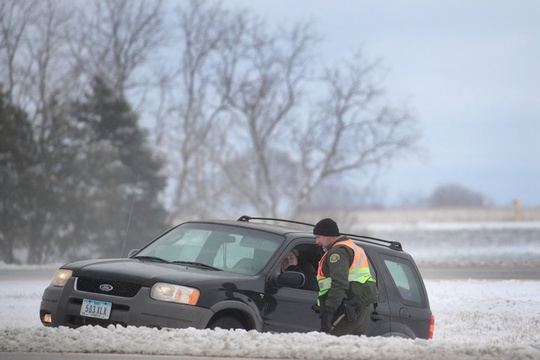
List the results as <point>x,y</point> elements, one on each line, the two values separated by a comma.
<point>469,69</point>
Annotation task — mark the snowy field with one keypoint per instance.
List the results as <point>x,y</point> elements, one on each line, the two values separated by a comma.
<point>465,244</point>
<point>474,319</point>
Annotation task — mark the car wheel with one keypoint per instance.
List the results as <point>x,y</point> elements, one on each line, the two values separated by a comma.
<point>226,323</point>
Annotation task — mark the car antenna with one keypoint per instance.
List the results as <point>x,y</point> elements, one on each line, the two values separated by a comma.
<point>129,218</point>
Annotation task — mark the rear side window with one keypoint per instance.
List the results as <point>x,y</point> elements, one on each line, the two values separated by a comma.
<point>405,279</point>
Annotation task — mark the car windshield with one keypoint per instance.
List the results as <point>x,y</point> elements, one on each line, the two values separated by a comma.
<point>213,247</point>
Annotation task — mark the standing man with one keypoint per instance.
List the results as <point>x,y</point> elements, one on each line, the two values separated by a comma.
<point>346,287</point>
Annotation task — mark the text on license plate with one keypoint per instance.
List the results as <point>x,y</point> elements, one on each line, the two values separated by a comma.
<point>96,309</point>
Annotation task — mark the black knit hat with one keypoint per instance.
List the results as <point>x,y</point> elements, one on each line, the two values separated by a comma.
<point>326,227</point>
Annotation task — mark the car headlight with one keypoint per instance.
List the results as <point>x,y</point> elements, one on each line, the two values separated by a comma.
<point>61,277</point>
<point>174,293</point>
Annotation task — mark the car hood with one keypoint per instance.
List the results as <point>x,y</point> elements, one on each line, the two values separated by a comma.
<point>148,273</point>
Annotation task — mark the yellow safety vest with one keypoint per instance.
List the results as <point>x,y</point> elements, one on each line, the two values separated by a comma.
<point>358,271</point>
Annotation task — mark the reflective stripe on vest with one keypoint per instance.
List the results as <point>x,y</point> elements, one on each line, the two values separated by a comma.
<point>358,271</point>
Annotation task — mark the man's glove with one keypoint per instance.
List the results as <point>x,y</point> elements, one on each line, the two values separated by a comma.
<point>326,322</point>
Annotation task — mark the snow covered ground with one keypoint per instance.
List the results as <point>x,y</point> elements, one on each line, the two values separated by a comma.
<point>465,244</point>
<point>475,319</point>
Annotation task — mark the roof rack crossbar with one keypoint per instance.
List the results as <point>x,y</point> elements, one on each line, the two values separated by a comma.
<point>247,218</point>
<point>396,245</point>
<point>392,244</point>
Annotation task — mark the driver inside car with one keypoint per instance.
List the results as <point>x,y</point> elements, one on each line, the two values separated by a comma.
<point>291,263</point>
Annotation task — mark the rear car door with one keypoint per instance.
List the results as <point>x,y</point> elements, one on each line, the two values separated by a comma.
<point>409,307</point>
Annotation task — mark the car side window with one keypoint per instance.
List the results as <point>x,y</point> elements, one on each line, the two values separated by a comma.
<point>405,280</point>
<point>244,254</point>
<point>307,255</point>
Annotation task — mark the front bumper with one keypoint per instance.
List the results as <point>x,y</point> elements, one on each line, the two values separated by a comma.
<point>61,306</point>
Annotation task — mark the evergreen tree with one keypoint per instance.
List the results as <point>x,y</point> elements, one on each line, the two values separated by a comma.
<point>121,174</point>
<point>38,179</point>
<point>17,182</point>
<point>58,201</point>
<point>72,191</point>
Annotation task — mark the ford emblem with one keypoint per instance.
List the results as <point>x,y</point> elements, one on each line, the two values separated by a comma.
<point>105,287</point>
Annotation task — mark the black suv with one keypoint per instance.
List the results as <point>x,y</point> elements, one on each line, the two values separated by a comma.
<point>227,274</point>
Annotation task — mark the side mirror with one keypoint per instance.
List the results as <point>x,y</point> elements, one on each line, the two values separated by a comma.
<point>291,279</point>
<point>132,252</point>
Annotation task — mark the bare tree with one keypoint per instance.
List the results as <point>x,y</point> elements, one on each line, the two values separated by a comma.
<point>15,17</point>
<point>296,143</point>
<point>34,52</point>
<point>49,79</point>
<point>115,39</point>
<point>266,89</point>
<point>209,45</point>
<point>249,122</point>
<point>352,130</point>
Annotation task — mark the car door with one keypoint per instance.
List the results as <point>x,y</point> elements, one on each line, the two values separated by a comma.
<point>291,309</point>
<point>408,301</point>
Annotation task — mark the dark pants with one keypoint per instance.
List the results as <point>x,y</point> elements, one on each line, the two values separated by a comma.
<point>357,327</point>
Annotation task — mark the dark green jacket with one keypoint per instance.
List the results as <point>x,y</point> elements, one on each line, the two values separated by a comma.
<point>341,289</point>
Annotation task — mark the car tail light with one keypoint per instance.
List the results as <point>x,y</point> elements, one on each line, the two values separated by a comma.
<point>431,326</point>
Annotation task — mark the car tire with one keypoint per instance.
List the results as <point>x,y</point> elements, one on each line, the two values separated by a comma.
<point>226,323</point>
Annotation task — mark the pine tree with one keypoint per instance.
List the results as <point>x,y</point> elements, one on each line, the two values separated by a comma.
<point>122,175</point>
<point>17,184</point>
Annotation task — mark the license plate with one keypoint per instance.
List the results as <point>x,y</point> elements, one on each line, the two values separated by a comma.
<point>96,309</point>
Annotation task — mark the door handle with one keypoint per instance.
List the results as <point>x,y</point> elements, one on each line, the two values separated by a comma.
<point>375,316</point>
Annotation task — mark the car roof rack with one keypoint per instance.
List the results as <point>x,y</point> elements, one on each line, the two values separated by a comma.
<point>396,245</point>
<point>247,218</point>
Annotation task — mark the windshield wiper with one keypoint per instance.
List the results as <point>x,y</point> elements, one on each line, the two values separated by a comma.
<point>197,265</point>
<point>152,258</point>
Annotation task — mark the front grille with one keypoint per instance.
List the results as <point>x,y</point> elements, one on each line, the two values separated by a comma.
<point>119,288</point>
